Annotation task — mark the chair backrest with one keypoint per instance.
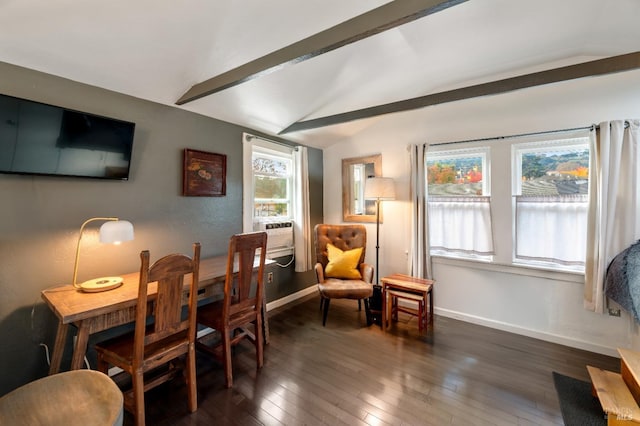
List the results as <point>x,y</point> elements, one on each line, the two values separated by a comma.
<point>169,272</point>
<point>344,237</point>
<point>244,286</point>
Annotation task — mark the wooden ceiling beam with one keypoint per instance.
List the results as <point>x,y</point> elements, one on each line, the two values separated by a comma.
<point>614,64</point>
<point>383,18</point>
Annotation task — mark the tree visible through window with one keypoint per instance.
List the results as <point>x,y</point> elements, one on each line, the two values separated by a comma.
<point>272,185</point>
<point>457,175</point>
<point>458,204</point>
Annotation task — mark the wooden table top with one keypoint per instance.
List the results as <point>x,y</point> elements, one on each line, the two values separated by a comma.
<point>71,305</point>
<point>408,282</point>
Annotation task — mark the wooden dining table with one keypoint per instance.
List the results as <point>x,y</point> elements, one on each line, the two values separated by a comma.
<point>95,312</point>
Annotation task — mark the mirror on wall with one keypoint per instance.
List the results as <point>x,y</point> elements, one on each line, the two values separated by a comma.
<point>354,173</point>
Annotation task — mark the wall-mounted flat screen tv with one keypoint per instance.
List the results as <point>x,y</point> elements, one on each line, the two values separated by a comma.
<point>41,139</point>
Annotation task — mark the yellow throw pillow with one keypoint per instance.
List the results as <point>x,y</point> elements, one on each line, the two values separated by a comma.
<point>342,264</point>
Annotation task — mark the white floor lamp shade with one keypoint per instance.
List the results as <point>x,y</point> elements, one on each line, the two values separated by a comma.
<point>380,188</point>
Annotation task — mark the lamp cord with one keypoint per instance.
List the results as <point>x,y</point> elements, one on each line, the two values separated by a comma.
<point>293,256</point>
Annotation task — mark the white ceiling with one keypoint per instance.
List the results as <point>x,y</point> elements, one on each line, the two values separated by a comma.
<point>158,49</point>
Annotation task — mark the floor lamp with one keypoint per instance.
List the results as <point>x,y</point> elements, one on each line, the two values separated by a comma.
<point>379,189</point>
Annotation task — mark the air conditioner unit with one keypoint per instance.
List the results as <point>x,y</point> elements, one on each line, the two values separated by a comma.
<point>279,237</point>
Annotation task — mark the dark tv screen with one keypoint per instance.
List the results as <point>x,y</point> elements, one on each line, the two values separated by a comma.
<point>41,139</point>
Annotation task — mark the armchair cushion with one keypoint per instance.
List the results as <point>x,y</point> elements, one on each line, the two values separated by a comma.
<point>343,264</point>
<point>334,288</point>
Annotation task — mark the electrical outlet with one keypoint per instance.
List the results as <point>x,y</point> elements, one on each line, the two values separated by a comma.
<point>614,312</point>
<point>269,277</point>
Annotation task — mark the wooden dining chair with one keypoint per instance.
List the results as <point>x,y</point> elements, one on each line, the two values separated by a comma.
<point>239,313</point>
<point>151,353</point>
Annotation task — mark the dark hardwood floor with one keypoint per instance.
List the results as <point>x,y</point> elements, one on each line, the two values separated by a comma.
<point>349,374</point>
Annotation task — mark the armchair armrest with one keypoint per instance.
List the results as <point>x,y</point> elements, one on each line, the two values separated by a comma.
<point>366,270</point>
<point>319,273</point>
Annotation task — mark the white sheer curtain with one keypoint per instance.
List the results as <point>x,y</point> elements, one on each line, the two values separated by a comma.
<point>614,210</point>
<point>461,225</point>
<point>302,222</point>
<point>543,221</point>
<point>420,258</point>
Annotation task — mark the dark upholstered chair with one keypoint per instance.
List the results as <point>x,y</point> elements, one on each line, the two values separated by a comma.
<point>335,283</point>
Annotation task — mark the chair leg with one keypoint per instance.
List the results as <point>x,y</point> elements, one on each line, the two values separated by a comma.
<point>367,311</point>
<point>259,342</point>
<point>321,302</point>
<point>102,366</point>
<point>190,376</point>
<point>359,304</point>
<point>325,312</point>
<point>138,397</point>
<point>226,351</point>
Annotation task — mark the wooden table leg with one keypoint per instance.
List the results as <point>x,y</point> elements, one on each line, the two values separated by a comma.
<point>389,309</point>
<point>80,349</point>
<point>384,308</point>
<point>422,316</point>
<point>58,348</point>
<point>431,316</point>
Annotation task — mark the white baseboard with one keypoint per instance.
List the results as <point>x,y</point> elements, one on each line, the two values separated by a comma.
<point>548,337</point>
<point>114,370</point>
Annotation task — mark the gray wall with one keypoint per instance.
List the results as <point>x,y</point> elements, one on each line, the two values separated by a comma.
<point>40,216</point>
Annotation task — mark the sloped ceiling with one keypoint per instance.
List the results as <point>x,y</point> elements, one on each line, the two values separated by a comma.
<point>158,49</point>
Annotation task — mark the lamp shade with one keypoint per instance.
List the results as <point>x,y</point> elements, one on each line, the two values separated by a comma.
<point>379,188</point>
<point>116,231</point>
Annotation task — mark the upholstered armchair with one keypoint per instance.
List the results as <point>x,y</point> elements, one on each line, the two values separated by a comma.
<point>340,267</point>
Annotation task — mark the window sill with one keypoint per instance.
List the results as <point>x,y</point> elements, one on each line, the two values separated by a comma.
<point>530,271</point>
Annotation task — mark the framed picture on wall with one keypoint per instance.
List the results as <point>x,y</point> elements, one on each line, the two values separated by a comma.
<point>205,174</point>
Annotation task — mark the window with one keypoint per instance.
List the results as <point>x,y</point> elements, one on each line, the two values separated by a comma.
<point>533,212</point>
<point>272,183</point>
<point>359,177</point>
<point>550,188</point>
<point>459,203</point>
<point>269,193</point>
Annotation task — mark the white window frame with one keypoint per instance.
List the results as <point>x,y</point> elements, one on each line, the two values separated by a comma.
<point>255,223</point>
<point>484,199</point>
<point>580,203</point>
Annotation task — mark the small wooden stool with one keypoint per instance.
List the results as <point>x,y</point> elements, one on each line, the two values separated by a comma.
<point>393,307</point>
<point>400,286</point>
<point>78,397</point>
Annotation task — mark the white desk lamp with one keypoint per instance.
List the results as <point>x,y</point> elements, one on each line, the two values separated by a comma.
<point>379,189</point>
<point>113,231</point>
